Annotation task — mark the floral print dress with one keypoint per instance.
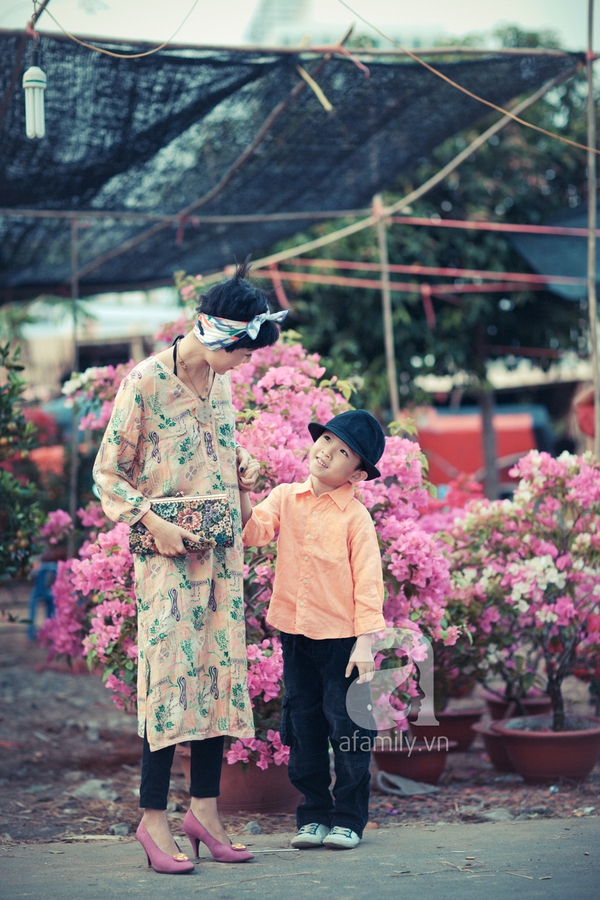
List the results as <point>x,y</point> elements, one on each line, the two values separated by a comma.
<point>163,440</point>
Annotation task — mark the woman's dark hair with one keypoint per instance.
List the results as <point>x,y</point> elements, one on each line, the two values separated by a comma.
<point>237,298</point>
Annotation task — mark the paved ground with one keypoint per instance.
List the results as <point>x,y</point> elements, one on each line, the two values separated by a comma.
<point>552,859</point>
<point>58,730</point>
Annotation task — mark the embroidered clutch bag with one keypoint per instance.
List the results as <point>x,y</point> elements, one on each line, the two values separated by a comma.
<point>208,516</point>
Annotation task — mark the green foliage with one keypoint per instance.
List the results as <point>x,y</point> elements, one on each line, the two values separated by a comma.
<point>13,316</point>
<point>20,515</point>
<point>20,519</point>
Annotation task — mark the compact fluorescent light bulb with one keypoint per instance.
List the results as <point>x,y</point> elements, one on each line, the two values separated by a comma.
<point>34,83</point>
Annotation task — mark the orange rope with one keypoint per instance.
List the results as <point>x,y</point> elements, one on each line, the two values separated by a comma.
<point>458,87</point>
<point>109,52</point>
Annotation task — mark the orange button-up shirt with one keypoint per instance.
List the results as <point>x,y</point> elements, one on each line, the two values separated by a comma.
<point>328,578</point>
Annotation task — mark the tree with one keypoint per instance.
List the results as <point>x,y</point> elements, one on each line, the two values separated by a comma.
<point>20,516</point>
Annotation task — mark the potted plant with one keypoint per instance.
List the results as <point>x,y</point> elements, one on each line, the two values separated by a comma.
<point>533,565</point>
<point>457,659</point>
<point>456,667</point>
<point>587,667</point>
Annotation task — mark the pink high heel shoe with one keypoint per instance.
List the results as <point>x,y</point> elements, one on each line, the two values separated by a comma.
<point>227,853</point>
<point>161,862</point>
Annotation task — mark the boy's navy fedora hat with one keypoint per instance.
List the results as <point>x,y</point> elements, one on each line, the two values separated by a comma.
<point>361,431</point>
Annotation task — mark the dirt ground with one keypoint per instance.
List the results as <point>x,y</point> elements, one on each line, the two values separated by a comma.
<point>59,729</point>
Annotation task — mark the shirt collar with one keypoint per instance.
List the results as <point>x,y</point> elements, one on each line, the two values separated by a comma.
<point>341,496</point>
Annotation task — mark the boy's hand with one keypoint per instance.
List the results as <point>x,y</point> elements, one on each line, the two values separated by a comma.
<point>362,658</point>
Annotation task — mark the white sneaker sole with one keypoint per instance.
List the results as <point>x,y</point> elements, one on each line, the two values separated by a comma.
<point>306,845</point>
<point>334,845</point>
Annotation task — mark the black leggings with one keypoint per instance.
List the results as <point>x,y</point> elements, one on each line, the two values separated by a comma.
<point>205,771</point>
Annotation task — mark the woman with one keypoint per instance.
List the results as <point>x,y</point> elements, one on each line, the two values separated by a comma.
<point>172,432</point>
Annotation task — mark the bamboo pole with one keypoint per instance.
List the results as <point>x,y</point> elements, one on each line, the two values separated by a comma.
<point>74,468</point>
<point>591,256</point>
<point>250,218</point>
<point>308,51</point>
<point>178,219</point>
<point>386,303</point>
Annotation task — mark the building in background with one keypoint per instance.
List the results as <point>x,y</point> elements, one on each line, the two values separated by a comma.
<point>112,329</point>
<point>287,23</point>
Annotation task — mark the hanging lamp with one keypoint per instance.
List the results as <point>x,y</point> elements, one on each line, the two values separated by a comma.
<point>34,84</point>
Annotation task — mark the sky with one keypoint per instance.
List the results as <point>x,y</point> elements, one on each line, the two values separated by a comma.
<point>224,22</point>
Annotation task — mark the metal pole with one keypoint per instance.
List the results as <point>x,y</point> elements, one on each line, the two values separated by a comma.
<point>591,256</point>
<point>386,302</point>
<point>75,366</point>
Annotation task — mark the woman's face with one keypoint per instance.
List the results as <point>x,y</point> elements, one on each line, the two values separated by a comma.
<point>221,361</point>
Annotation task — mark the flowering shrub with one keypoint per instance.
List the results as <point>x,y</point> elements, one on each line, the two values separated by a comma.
<point>588,661</point>
<point>442,512</point>
<point>45,426</point>
<point>95,613</point>
<point>57,527</point>
<point>94,392</point>
<point>92,516</point>
<point>265,670</point>
<point>527,572</point>
<point>275,395</point>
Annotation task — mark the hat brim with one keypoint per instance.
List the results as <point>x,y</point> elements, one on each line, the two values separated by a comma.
<point>316,430</point>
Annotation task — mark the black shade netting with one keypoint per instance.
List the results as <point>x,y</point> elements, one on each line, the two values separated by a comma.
<point>560,254</point>
<point>154,134</point>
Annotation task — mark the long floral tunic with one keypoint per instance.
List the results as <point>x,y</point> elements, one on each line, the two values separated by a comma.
<point>163,440</point>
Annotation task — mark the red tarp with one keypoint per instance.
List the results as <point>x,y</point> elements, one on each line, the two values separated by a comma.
<point>453,443</point>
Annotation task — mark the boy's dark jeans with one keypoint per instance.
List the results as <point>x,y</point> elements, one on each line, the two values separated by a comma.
<point>205,771</point>
<point>314,715</point>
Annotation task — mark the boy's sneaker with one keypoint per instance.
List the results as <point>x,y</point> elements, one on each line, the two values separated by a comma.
<point>341,839</point>
<point>309,836</point>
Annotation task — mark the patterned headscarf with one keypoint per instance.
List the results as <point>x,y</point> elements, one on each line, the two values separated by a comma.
<point>216,333</point>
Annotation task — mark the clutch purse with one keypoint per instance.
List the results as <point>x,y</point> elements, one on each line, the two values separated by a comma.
<point>207,516</point>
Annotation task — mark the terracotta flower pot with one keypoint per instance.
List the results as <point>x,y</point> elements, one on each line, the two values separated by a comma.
<point>248,789</point>
<point>536,704</point>
<point>455,724</point>
<point>494,746</point>
<point>419,762</point>
<point>542,755</point>
<point>252,790</point>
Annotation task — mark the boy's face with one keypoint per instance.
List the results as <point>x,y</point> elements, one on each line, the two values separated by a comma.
<point>333,463</point>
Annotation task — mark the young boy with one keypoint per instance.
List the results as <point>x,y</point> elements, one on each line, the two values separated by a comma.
<point>327,600</point>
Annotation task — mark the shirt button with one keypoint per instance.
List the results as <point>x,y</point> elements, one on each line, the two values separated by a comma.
<point>309,536</point>
<point>306,557</point>
<point>302,603</point>
<point>305,581</point>
<point>314,512</point>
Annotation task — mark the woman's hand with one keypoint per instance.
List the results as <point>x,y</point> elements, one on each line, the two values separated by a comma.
<point>247,470</point>
<point>167,536</point>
